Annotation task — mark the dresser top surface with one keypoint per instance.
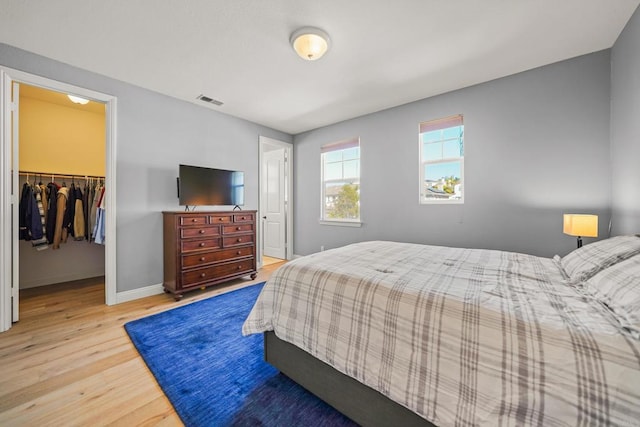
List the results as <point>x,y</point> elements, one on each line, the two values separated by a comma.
<point>237,212</point>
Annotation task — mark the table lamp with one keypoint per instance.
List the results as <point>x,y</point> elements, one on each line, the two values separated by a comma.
<point>581,226</point>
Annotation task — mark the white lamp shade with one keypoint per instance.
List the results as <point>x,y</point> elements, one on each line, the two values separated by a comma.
<point>580,225</point>
<point>310,43</point>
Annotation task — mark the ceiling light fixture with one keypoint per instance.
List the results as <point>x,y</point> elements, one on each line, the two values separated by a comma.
<point>78,100</point>
<point>310,43</point>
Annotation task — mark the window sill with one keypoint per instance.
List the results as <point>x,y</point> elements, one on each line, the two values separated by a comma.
<point>340,223</point>
<point>442,202</point>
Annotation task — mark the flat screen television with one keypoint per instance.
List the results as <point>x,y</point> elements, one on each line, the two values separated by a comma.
<point>200,186</point>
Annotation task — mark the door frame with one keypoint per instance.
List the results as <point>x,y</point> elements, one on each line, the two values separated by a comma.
<point>7,261</point>
<point>288,209</point>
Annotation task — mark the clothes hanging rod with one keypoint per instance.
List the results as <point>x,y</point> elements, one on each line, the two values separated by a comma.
<point>60,175</point>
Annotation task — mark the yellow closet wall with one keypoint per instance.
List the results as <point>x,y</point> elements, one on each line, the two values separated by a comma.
<point>59,138</point>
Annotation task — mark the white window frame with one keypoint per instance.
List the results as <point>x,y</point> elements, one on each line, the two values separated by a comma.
<point>443,123</point>
<point>336,146</point>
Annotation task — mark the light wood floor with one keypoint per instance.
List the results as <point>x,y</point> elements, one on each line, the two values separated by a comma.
<point>69,361</point>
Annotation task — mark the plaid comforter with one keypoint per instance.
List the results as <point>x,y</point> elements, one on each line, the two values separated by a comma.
<point>459,336</point>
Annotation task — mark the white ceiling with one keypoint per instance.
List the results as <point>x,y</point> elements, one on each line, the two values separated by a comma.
<point>383,53</point>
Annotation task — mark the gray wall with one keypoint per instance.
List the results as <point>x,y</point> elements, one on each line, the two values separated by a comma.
<point>536,146</point>
<point>625,129</point>
<point>154,134</point>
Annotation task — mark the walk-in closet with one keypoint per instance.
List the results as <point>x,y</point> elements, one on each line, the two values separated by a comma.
<point>62,161</point>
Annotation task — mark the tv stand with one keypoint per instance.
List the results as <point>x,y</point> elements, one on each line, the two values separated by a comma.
<point>206,248</point>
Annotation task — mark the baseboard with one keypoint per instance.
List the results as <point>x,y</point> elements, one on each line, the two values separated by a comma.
<point>134,294</point>
<point>61,278</point>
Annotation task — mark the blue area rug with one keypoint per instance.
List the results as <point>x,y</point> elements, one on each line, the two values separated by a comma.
<point>214,376</point>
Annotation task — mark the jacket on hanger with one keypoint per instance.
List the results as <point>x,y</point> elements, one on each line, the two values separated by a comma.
<point>52,211</point>
<point>78,217</point>
<point>69,213</point>
<point>59,236</point>
<point>29,219</point>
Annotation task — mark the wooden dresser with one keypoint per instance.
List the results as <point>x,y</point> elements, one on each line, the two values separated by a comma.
<point>205,248</point>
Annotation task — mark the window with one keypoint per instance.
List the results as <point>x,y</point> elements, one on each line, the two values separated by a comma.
<point>442,160</point>
<point>341,181</point>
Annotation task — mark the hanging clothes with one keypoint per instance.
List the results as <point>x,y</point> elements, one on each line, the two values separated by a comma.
<point>52,212</point>
<point>69,213</point>
<point>22,212</point>
<point>41,243</point>
<point>30,225</point>
<point>78,216</point>
<point>96,191</point>
<point>86,209</point>
<point>98,231</point>
<point>59,235</point>
<point>45,201</point>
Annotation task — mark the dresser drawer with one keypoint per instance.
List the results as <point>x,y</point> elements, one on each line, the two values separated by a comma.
<point>220,219</point>
<point>245,217</point>
<point>192,220</point>
<point>205,258</point>
<point>196,245</point>
<point>240,239</point>
<point>216,272</point>
<point>237,228</point>
<point>190,232</point>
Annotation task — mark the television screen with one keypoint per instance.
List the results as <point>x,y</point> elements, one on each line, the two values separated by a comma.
<point>198,186</point>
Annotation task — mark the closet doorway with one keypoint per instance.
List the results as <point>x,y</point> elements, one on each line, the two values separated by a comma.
<point>43,100</point>
<point>276,204</point>
<point>61,162</point>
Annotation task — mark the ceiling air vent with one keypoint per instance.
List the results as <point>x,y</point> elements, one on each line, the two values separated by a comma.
<point>209,100</point>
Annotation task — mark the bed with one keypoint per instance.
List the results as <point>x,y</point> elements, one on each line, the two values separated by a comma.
<point>388,331</point>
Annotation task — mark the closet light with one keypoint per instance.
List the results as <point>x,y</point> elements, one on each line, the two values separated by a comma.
<point>78,100</point>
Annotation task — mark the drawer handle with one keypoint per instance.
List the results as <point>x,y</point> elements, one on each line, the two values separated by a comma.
<point>201,231</point>
<point>203,275</point>
<point>243,218</point>
<point>238,228</point>
<point>194,220</point>
<point>202,244</point>
<point>239,239</point>
<point>239,267</point>
<point>220,219</point>
<point>239,252</point>
<point>202,259</point>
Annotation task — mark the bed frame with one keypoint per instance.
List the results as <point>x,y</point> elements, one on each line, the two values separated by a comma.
<point>357,401</point>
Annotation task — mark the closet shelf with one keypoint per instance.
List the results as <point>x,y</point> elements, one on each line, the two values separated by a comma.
<point>59,175</point>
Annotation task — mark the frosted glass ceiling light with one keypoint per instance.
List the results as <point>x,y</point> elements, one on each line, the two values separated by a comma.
<point>310,43</point>
<point>78,100</point>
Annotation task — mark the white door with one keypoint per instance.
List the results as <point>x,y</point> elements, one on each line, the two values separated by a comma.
<point>273,208</point>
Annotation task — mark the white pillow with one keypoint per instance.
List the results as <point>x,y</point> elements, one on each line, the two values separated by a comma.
<point>584,262</point>
<point>619,288</point>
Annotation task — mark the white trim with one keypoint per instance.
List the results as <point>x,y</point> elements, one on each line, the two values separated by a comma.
<point>340,223</point>
<point>138,293</point>
<point>5,202</point>
<point>9,74</point>
<point>110,258</point>
<point>15,232</point>
<point>289,189</point>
